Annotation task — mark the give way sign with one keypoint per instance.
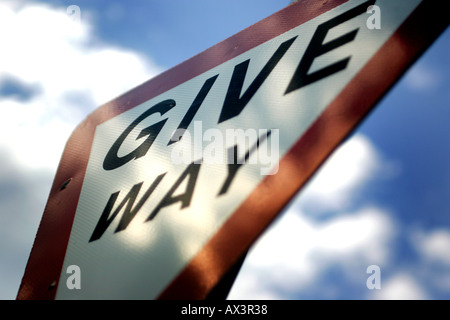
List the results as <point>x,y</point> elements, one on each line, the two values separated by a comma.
<point>160,191</point>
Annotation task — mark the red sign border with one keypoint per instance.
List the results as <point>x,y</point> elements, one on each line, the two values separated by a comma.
<point>341,117</point>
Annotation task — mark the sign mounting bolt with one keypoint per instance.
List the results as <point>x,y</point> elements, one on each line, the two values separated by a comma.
<point>64,185</point>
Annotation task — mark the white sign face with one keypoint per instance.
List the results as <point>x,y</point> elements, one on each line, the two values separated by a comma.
<point>150,201</point>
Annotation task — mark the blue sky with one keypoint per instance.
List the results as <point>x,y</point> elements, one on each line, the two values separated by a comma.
<point>383,198</point>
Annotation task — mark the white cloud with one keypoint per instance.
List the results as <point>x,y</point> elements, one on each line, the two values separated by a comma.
<point>45,47</point>
<point>252,287</point>
<point>402,286</point>
<point>422,78</point>
<point>433,246</point>
<point>298,248</point>
<point>362,235</point>
<point>338,182</point>
<point>71,74</point>
<point>294,252</point>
